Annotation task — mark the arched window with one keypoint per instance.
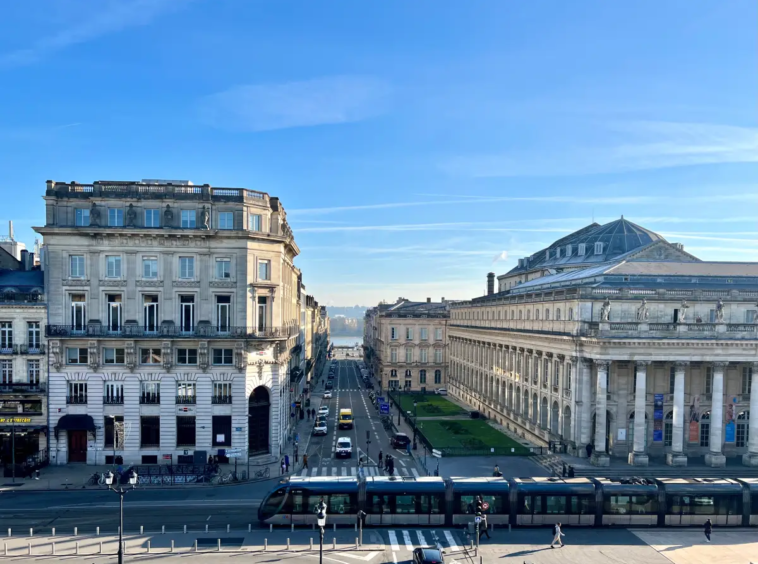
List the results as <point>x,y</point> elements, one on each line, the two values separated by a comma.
<point>554,416</point>
<point>518,400</point>
<point>393,373</point>
<point>438,376</point>
<point>537,314</point>
<point>513,314</point>
<point>520,313</point>
<point>571,314</point>
<point>528,314</point>
<point>547,314</point>
<point>558,314</point>
<point>543,414</point>
<point>668,428</point>
<point>705,429</point>
<point>422,376</point>
<point>535,408</point>
<point>567,423</point>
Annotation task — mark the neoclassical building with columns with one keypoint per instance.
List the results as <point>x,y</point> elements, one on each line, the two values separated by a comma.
<point>614,337</point>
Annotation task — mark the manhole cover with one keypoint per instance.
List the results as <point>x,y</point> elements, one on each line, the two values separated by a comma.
<point>225,541</point>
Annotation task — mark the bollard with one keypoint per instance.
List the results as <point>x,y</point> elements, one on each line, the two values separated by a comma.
<point>141,529</point>
<point>195,545</point>
<point>6,548</point>
<point>53,552</point>
<point>163,529</point>
<point>30,549</point>
<point>249,527</point>
<point>292,527</point>
<point>185,529</point>
<point>77,548</point>
<point>356,543</point>
<point>172,545</point>
<point>206,527</point>
<point>97,531</point>
<point>101,547</point>
<point>288,544</point>
<point>270,528</point>
<point>148,546</point>
<point>334,544</point>
<point>227,528</point>
<point>472,545</point>
<point>311,543</point>
<point>219,545</point>
<point>31,532</point>
<point>118,530</point>
<point>265,545</point>
<point>76,531</point>
<point>9,532</point>
<point>53,532</point>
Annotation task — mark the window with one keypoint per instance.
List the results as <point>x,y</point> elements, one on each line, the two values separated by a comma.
<point>438,334</point>
<point>33,335</point>
<point>705,429</point>
<point>76,264</point>
<point>672,379</point>
<point>580,250</point>
<point>82,218</point>
<point>556,373</point>
<point>668,428</point>
<point>113,267</point>
<point>743,429</point>
<point>393,333</point>
<point>409,333</point>
<point>571,314</point>
<point>187,313</point>
<point>567,383</point>
<point>747,376</point>
<point>32,372</point>
<point>6,336</point>
<point>188,219</point>
<point>223,313</point>
<point>150,393</point>
<point>424,334</point>
<point>536,314</point>
<point>264,270</point>
<point>150,356</point>
<point>708,380</point>
<point>76,356</point>
<point>422,376</point>
<point>222,392</point>
<point>255,222</point>
<point>393,373</point>
<point>114,435</point>
<point>438,376</point>
<point>423,355</point>
<point>113,393</point>
<point>223,268</point>
<point>152,218</point>
<point>568,250</point>
<point>77,393</point>
<point>750,316</point>
<point>545,370</point>
<point>226,220</point>
<point>262,313</point>
<point>150,267</point>
<point>150,431</point>
<point>598,248</point>
<point>185,392</point>
<point>150,313</point>
<point>437,356</point>
<point>185,431</point>
<point>186,356</point>
<point>6,371</point>
<point>631,505</point>
<point>393,356</point>
<point>222,431</point>
<point>186,267</point>
<point>113,356</point>
<point>223,357</point>
<point>114,312</point>
<point>408,355</point>
<point>115,218</point>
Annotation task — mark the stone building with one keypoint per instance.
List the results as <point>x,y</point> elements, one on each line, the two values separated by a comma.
<point>23,366</point>
<point>615,337</point>
<point>173,317</point>
<point>405,344</point>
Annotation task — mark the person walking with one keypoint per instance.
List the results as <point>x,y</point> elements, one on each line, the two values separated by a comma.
<point>284,468</point>
<point>380,458</point>
<point>305,461</point>
<point>287,462</point>
<point>708,529</point>
<point>483,527</point>
<point>557,537</point>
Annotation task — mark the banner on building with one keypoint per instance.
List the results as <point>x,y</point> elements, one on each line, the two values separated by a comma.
<point>730,432</point>
<point>694,432</point>
<point>658,418</point>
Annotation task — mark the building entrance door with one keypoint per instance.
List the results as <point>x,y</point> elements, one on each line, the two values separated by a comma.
<point>77,446</point>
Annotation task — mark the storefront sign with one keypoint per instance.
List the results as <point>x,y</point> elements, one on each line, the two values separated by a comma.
<point>658,418</point>
<point>10,420</point>
<point>730,432</point>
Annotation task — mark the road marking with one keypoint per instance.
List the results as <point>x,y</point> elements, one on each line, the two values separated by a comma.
<point>407,539</point>
<point>402,463</point>
<point>450,540</point>
<point>393,540</point>
<point>353,471</point>
<point>367,558</point>
<point>415,473</point>
<point>344,471</point>
<point>421,538</point>
<point>209,518</point>
<point>394,558</point>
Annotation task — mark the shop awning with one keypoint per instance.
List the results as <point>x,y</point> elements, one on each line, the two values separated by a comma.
<point>74,423</point>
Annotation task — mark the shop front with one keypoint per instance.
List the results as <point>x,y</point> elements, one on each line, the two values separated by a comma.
<point>22,442</point>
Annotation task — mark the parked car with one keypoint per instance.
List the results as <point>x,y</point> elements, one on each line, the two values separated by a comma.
<point>320,427</point>
<point>428,556</point>
<point>323,410</point>
<point>441,391</point>
<point>400,440</point>
<point>328,394</point>
<point>329,384</point>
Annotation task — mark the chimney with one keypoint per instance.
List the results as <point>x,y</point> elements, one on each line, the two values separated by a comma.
<point>490,283</point>
<point>24,256</point>
<point>10,230</point>
<point>428,300</point>
<point>443,299</point>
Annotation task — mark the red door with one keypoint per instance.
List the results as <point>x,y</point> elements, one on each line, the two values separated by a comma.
<point>77,446</point>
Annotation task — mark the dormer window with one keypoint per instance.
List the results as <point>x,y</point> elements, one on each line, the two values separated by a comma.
<point>580,251</point>
<point>558,252</point>
<point>547,254</point>
<point>568,250</point>
<point>598,248</point>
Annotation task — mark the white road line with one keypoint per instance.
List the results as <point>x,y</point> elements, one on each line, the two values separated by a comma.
<point>394,558</point>
<point>421,538</point>
<point>304,472</point>
<point>415,473</point>
<point>393,540</point>
<point>402,463</point>
<point>450,540</point>
<point>407,539</point>
<point>334,471</point>
<point>353,471</point>
<point>344,471</point>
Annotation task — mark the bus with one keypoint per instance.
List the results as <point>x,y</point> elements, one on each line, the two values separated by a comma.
<point>346,419</point>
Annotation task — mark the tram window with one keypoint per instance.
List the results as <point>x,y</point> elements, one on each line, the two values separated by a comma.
<point>405,504</point>
<point>340,503</point>
<point>582,505</point>
<point>555,504</point>
<point>529,504</point>
<point>274,503</point>
<point>630,504</point>
<point>704,505</point>
<point>466,504</point>
<point>298,502</point>
<point>430,504</point>
<point>754,504</point>
<point>379,504</point>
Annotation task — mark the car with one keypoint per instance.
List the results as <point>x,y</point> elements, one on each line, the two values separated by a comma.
<point>428,556</point>
<point>329,384</point>
<point>328,394</point>
<point>331,376</point>
<point>323,410</point>
<point>369,385</point>
<point>344,447</point>
<point>400,440</point>
<point>440,391</point>
<point>320,427</point>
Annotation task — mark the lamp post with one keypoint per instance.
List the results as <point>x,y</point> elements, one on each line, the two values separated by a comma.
<point>415,421</point>
<point>321,519</point>
<point>109,480</point>
<point>114,439</point>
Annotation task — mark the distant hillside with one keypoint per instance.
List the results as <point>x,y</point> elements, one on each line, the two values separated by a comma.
<point>354,312</point>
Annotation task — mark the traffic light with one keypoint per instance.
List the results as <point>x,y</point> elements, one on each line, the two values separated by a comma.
<point>479,506</point>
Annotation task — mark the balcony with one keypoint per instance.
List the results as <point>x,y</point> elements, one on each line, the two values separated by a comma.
<point>22,388</point>
<point>7,349</point>
<point>221,400</point>
<point>37,348</point>
<point>80,399</point>
<point>113,400</point>
<point>184,400</point>
<point>673,330</point>
<point>197,332</point>
<point>150,399</point>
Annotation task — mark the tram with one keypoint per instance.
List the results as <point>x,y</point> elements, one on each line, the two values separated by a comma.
<point>536,501</point>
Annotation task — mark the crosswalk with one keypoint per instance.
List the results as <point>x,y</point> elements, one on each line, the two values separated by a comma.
<point>410,539</point>
<point>353,471</point>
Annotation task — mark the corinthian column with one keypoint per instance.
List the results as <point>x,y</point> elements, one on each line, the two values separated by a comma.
<point>639,457</point>
<point>599,456</point>
<point>677,457</point>
<point>715,458</point>
<point>750,458</point>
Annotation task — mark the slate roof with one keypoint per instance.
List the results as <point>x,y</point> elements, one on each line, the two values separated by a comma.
<point>22,280</point>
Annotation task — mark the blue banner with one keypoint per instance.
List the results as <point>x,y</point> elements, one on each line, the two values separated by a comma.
<point>658,418</point>
<point>730,432</point>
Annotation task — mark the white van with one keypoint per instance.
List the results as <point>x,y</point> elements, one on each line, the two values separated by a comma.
<point>344,447</point>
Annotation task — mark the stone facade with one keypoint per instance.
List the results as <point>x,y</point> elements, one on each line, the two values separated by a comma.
<point>405,345</point>
<point>651,352</point>
<point>174,321</point>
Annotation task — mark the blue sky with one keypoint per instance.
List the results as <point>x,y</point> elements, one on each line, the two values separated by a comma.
<point>416,146</point>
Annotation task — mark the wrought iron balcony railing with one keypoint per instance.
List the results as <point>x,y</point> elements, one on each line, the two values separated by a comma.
<point>195,332</point>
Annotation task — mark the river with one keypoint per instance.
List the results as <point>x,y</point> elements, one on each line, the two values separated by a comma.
<point>346,341</point>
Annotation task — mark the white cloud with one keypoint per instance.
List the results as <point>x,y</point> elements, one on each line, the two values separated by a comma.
<point>93,20</point>
<point>650,145</point>
<point>500,257</point>
<point>321,101</point>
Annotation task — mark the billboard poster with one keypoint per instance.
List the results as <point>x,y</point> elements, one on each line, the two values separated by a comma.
<point>730,432</point>
<point>658,418</point>
<point>694,432</point>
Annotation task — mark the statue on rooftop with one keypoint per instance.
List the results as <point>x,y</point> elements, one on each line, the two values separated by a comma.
<point>131,216</point>
<point>205,218</point>
<point>642,311</point>
<point>94,215</point>
<point>605,311</point>
<point>720,311</point>
<point>683,312</point>
<point>168,216</point>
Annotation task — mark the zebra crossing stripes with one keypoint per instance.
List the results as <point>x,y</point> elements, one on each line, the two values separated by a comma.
<point>450,540</point>
<point>393,540</point>
<point>353,471</point>
<point>407,539</point>
<point>425,538</point>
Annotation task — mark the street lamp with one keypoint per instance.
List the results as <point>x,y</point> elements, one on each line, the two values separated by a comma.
<point>109,481</point>
<point>321,519</point>
<point>415,422</point>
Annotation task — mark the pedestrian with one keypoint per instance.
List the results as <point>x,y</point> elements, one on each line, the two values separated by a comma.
<point>380,458</point>
<point>305,461</point>
<point>708,529</point>
<point>557,536</point>
<point>284,468</point>
<point>588,448</point>
<point>483,529</point>
<point>287,462</point>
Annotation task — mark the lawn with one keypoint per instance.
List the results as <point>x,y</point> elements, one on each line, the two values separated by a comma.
<point>430,405</point>
<point>468,437</point>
